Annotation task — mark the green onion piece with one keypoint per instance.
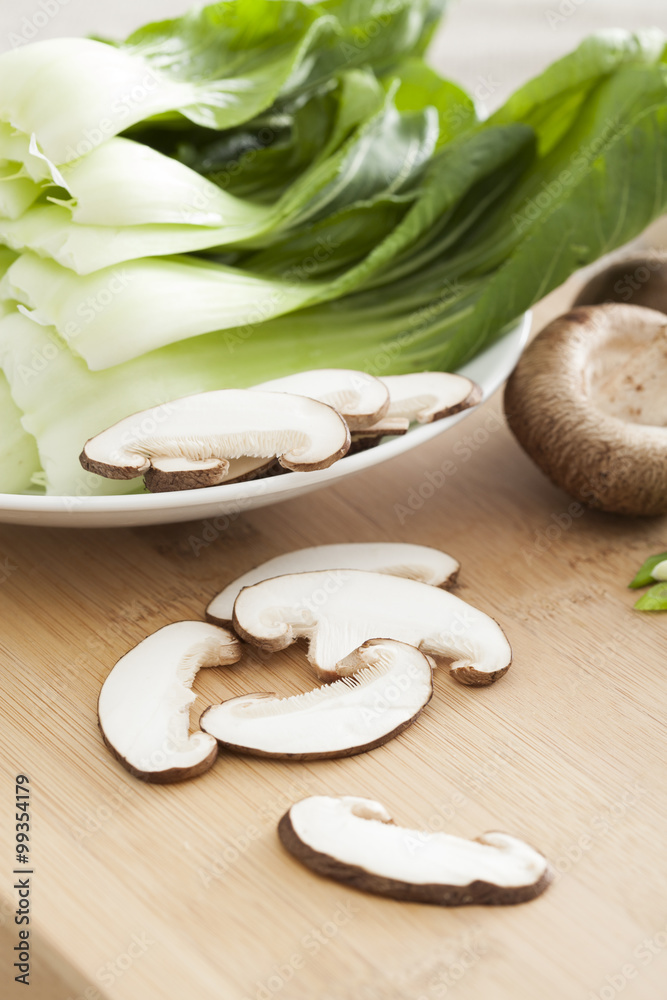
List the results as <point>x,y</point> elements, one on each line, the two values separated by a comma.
<point>644,577</point>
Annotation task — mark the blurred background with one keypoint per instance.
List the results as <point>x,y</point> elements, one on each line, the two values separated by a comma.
<point>486,44</point>
<point>490,46</point>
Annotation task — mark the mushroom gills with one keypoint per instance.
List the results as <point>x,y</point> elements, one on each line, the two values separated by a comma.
<point>144,703</point>
<point>191,441</point>
<point>354,840</point>
<point>338,610</point>
<point>628,382</point>
<point>415,562</point>
<point>391,685</point>
<point>586,404</point>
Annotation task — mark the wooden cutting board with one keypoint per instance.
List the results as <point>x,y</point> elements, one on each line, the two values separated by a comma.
<point>153,893</point>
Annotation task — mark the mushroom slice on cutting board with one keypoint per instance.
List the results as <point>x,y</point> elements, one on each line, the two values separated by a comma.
<point>144,703</point>
<point>587,402</point>
<point>391,685</point>
<point>429,396</point>
<point>416,562</point>
<point>339,610</point>
<point>355,841</point>
<point>360,399</point>
<point>191,440</point>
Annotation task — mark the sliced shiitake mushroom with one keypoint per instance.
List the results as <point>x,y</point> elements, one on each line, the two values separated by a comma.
<point>391,685</point>
<point>421,396</point>
<point>144,704</point>
<point>429,396</point>
<point>189,442</point>
<point>355,841</point>
<point>338,610</point>
<point>587,403</point>
<point>360,399</point>
<point>415,562</point>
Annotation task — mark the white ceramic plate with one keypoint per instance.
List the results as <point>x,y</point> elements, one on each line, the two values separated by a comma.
<point>490,370</point>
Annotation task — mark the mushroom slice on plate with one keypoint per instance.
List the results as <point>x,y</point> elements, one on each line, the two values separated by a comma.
<point>339,610</point>
<point>360,399</point>
<point>191,440</point>
<point>429,396</point>
<point>392,686</point>
<point>166,474</point>
<point>144,703</point>
<point>587,402</point>
<point>355,841</point>
<point>371,436</point>
<point>416,562</point>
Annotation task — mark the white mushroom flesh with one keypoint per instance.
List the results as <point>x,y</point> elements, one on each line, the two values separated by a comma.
<point>659,572</point>
<point>429,396</point>
<point>416,562</point>
<point>338,610</point>
<point>360,398</point>
<point>145,701</point>
<point>225,424</point>
<point>392,686</point>
<point>360,832</point>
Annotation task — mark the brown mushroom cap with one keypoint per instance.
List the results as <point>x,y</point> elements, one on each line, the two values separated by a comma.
<point>587,403</point>
<point>636,281</point>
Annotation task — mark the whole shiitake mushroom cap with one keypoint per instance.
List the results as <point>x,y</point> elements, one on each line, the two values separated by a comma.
<point>587,402</point>
<point>635,281</point>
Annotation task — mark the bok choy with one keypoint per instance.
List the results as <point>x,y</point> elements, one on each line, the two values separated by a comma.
<point>266,186</point>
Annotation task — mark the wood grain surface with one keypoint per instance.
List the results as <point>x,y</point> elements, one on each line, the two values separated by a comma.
<point>149,893</point>
<point>153,893</point>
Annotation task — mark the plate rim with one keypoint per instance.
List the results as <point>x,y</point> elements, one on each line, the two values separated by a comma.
<point>264,489</point>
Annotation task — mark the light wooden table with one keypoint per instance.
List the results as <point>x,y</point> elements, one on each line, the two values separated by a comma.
<point>167,893</point>
<point>147,893</point>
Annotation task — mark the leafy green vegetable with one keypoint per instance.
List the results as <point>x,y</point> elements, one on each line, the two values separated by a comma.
<point>219,66</point>
<point>16,193</point>
<point>654,599</point>
<point>644,575</point>
<point>551,102</point>
<point>173,210</point>
<point>19,460</point>
<point>296,188</point>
